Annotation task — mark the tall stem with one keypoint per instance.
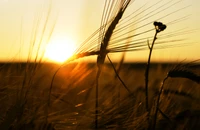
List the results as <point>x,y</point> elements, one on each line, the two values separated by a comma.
<point>147,71</point>
<point>97,96</point>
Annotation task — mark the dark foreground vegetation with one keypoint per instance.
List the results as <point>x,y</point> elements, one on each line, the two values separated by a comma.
<point>105,95</point>
<point>25,101</point>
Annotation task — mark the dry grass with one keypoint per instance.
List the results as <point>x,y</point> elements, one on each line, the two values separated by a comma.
<point>73,105</point>
<point>71,102</point>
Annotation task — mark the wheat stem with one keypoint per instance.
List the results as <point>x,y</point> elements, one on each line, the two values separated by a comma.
<point>103,50</point>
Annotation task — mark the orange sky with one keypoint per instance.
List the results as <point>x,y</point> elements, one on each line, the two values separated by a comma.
<point>79,18</point>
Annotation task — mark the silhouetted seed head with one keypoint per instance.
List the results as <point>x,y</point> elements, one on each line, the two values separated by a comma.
<point>184,74</point>
<point>159,26</point>
<point>157,23</point>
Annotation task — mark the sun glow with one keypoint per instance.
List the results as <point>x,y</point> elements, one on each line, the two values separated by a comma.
<point>60,49</point>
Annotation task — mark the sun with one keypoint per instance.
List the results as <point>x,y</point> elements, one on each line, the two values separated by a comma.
<point>60,49</point>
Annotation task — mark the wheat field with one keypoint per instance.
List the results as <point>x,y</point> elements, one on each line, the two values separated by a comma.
<point>104,94</point>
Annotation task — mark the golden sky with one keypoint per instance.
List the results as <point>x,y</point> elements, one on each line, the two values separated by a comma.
<point>78,19</point>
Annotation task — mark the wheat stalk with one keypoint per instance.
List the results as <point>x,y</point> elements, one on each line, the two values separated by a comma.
<point>178,73</point>
<point>119,37</point>
<point>103,52</point>
<point>116,43</point>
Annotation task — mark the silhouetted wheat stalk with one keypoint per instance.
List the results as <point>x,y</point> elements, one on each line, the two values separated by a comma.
<point>175,73</point>
<point>113,25</point>
<point>184,74</point>
<point>102,53</point>
<point>119,41</point>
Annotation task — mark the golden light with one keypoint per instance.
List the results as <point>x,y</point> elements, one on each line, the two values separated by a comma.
<point>60,49</point>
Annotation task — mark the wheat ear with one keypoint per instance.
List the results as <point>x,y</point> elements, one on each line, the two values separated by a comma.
<point>103,51</point>
<point>176,73</point>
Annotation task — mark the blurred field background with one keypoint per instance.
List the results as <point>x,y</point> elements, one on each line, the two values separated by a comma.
<point>72,103</point>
